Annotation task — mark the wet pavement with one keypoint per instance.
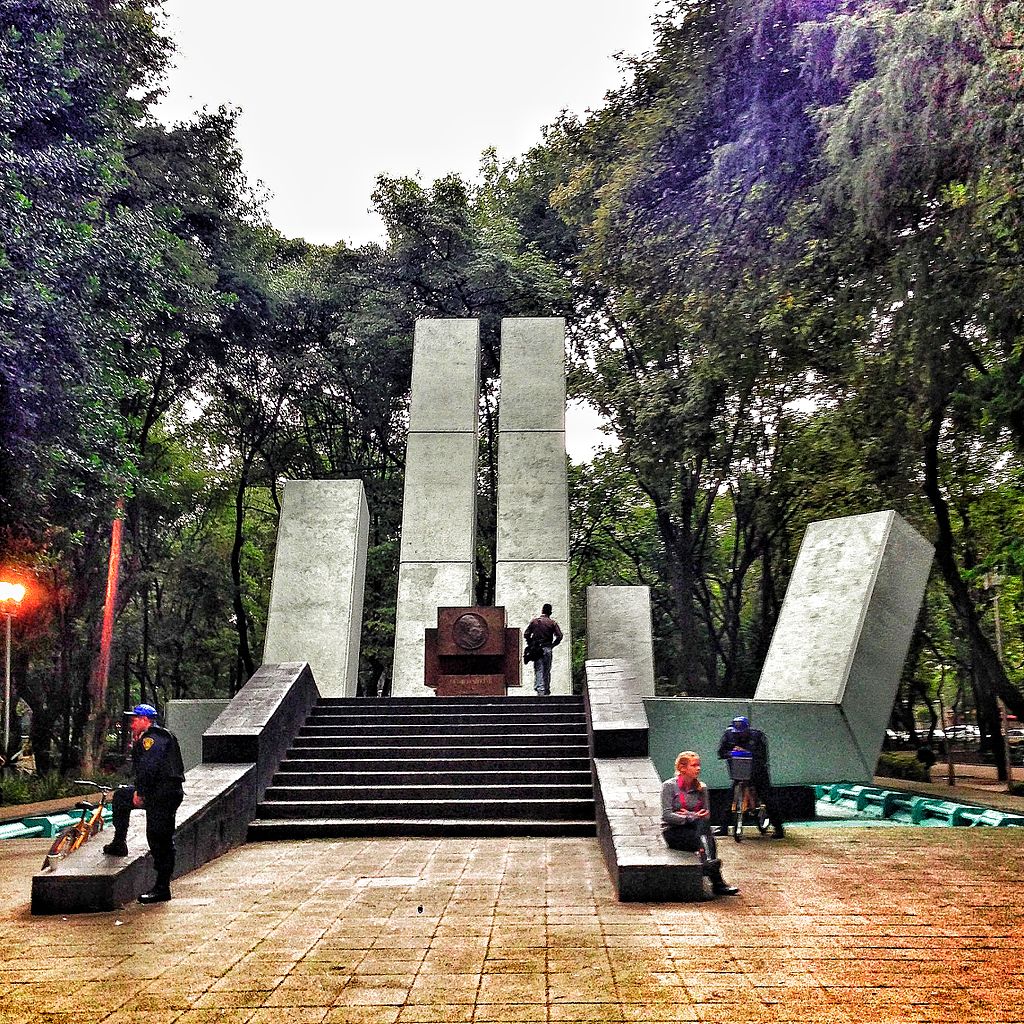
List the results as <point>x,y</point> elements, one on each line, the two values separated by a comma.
<point>832,924</point>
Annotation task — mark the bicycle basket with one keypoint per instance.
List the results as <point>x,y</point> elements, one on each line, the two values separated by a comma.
<point>741,767</point>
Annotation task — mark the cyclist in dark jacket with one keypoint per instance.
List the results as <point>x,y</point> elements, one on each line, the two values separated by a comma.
<point>159,778</point>
<point>739,736</point>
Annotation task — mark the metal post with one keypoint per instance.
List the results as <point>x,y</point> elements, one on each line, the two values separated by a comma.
<point>7,690</point>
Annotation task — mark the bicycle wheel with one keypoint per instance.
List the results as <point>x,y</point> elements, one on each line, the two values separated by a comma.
<point>763,824</point>
<point>67,840</point>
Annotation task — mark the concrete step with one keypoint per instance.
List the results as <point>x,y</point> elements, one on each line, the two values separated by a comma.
<point>442,728</point>
<point>437,792</point>
<point>442,740</point>
<point>340,827</point>
<point>332,750</point>
<point>419,720</point>
<point>387,773</point>
<point>504,808</point>
<point>501,703</point>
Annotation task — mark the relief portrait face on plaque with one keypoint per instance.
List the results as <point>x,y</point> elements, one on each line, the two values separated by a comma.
<point>470,631</point>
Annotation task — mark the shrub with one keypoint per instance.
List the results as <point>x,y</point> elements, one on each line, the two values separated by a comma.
<point>898,764</point>
<point>31,789</point>
<point>15,790</point>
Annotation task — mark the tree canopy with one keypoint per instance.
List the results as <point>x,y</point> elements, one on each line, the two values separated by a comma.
<point>789,252</point>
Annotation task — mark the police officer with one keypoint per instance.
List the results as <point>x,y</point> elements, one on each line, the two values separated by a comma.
<point>739,736</point>
<point>159,775</point>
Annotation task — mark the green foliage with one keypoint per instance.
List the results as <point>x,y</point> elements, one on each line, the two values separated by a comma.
<point>31,789</point>
<point>899,765</point>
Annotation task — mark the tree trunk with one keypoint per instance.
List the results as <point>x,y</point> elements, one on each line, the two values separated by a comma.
<point>990,677</point>
<point>97,718</point>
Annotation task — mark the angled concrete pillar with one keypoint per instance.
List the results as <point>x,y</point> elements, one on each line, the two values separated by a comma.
<point>438,551</point>
<point>316,596</point>
<point>532,555</point>
<point>619,629</point>
<point>830,677</point>
<point>846,624</point>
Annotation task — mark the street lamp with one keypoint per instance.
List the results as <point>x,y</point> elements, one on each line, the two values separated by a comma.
<point>11,595</point>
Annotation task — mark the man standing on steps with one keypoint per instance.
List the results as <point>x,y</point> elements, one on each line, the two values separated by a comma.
<point>544,635</point>
<point>159,777</point>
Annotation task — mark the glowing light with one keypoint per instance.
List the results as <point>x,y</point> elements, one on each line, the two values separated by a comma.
<point>11,592</point>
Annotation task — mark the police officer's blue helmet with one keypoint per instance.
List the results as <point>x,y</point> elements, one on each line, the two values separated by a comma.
<point>142,711</point>
<point>741,723</point>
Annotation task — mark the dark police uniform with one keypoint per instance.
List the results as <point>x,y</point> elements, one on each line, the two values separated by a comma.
<point>159,777</point>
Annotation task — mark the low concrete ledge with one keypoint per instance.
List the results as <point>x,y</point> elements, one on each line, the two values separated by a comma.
<point>627,793</point>
<point>241,752</point>
<point>220,800</point>
<point>262,720</point>
<point>616,717</point>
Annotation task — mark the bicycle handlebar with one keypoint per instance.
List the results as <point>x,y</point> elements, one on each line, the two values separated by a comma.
<point>95,785</point>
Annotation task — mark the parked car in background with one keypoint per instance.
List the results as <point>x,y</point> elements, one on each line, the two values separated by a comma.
<point>963,733</point>
<point>1014,736</point>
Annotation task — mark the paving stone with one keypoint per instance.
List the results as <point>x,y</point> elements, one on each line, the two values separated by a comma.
<point>911,926</point>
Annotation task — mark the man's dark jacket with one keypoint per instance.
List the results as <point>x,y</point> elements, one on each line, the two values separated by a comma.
<point>159,771</point>
<point>753,740</point>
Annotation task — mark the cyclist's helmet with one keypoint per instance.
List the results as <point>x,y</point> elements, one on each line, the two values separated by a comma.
<point>142,711</point>
<point>741,724</point>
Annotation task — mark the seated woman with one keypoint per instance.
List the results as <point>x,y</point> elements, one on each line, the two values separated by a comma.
<point>686,819</point>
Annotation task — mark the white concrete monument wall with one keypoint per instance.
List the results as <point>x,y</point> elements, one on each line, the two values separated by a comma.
<point>532,554</point>
<point>438,551</point>
<point>619,628</point>
<point>831,673</point>
<point>847,621</point>
<point>316,596</point>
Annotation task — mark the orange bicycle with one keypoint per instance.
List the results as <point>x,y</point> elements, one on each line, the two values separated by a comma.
<point>69,839</point>
<point>744,795</point>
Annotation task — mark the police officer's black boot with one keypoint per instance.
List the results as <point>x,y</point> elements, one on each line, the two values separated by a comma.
<point>116,848</point>
<point>160,893</point>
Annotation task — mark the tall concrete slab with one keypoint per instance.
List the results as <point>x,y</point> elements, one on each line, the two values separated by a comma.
<point>316,596</point>
<point>532,552</point>
<point>533,497</point>
<point>830,677</point>
<point>440,484</point>
<point>619,629</point>
<point>438,550</point>
<point>846,624</point>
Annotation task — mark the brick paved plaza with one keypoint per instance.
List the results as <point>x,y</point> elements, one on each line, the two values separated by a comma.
<point>833,924</point>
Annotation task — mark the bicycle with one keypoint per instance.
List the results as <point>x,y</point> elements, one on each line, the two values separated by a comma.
<point>744,795</point>
<point>71,837</point>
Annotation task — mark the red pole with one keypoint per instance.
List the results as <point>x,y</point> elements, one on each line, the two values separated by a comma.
<point>102,669</point>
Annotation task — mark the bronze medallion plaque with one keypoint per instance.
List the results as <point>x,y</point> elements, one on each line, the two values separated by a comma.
<point>470,631</point>
<point>471,653</point>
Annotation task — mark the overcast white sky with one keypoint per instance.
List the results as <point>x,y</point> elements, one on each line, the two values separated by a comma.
<point>335,92</point>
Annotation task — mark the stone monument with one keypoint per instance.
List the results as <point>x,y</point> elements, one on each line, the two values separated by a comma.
<point>438,550</point>
<point>439,510</point>
<point>471,653</point>
<point>532,556</point>
<point>316,596</point>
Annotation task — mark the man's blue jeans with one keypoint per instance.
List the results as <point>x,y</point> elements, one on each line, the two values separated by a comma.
<point>542,672</point>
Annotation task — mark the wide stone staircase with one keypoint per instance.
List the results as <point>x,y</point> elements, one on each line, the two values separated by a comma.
<point>428,766</point>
